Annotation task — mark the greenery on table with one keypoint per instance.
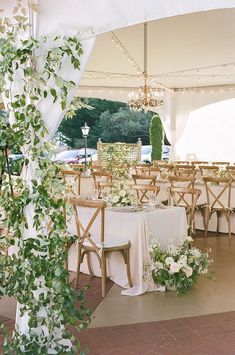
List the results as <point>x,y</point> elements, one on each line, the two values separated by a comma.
<point>36,274</point>
<point>120,194</point>
<point>156,137</point>
<point>178,268</point>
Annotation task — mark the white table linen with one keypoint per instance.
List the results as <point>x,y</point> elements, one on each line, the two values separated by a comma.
<point>163,224</point>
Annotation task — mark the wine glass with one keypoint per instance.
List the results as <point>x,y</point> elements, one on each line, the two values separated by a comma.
<point>152,200</point>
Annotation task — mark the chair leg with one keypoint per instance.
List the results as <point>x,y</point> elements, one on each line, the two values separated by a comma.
<point>218,221</point>
<point>103,273</point>
<point>89,264</point>
<point>229,225</point>
<point>207,217</point>
<point>78,266</point>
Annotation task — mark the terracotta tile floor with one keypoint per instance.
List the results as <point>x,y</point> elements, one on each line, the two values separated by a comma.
<point>204,335</point>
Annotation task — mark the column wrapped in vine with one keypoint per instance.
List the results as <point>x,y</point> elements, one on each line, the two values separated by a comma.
<point>34,240</point>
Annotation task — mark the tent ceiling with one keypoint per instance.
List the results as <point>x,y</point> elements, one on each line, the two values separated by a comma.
<point>191,50</point>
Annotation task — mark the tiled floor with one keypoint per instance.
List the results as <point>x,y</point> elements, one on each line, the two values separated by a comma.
<point>203,335</point>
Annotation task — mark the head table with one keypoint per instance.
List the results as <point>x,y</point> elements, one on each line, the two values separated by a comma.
<point>163,223</point>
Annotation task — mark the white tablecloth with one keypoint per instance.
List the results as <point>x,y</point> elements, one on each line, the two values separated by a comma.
<point>163,224</point>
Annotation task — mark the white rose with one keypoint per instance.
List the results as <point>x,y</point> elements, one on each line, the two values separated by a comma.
<point>169,260</point>
<point>175,267</point>
<point>188,271</point>
<point>115,199</point>
<point>189,239</point>
<point>195,252</point>
<point>183,260</point>
<point>122,193</point>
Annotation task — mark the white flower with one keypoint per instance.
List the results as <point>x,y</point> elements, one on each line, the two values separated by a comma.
<point>195,252</point>
<point>204,271</point>
<point>173,249</point>
<point>188,271</point>
<point>122,193</point>
<point>189,239</point>
<point>183,260</point>
<point>115,199</point>
<point>169,260</point>
<point>175,267</point>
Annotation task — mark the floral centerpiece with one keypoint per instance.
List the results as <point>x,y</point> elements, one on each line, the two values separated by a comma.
<point>178,268</point>
<point>120,194</point>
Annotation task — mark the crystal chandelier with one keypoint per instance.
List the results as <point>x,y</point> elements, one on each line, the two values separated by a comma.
<point>146,97</point>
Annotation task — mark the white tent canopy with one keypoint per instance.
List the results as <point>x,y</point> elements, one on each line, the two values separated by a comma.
<point>192,51</point>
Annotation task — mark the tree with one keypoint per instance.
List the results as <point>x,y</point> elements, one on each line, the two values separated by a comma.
<point>125,126</point>
<point>156,137</point>
<point>71,128</point>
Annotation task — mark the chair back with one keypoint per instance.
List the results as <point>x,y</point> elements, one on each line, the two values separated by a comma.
<point>144,179</point>
<point>231,170</point>
<point>199,162</point>
<point>141,168</point>
<point>101,176</point>
<point>208,170</point>
<point>79,167</point>
<point>182,162</point>
<point>218,192</point>
<point>143,191</point>
<point>72,181</point>
<point>184,170</point>
<point>84,230</point>
<point>220,163</point>
<point>182,181</point>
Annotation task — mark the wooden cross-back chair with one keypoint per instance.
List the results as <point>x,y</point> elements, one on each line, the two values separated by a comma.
<point>182,181</point>
<point>206,170</point>
<point>144,179</point>
<point>72,180</point>
<point>143,191</point>
<point>182,162</point>
<point>101,248</point>
<point>220,163</point>
<point>187,198</point>
<point>141,168</point>
<point>76,167</point>
<point>218,193</point>
<point>157,162</point>
<point>98,168</point>
<point>231,171</point>
<point>101,177</point>
<point>199,162</point>
<point>184,170</point>
<point>151,170</point>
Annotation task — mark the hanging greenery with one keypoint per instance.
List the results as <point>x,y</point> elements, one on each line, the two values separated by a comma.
<point>35,271</point>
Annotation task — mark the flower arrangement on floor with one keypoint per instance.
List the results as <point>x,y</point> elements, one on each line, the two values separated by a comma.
<point>120,194</point>
<point>178,268</point>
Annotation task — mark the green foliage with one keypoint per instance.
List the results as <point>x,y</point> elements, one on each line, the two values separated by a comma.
<point>156,137</point>
<point>36,275</point>
<point>71,128</point>
<point>111,121</point>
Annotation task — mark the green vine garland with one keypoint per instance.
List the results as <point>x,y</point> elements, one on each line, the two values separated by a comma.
<point>36,274</point>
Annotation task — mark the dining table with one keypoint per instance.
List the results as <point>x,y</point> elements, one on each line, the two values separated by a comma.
<point>166,224</point>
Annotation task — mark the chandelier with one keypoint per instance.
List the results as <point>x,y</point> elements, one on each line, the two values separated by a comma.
<point>146,97</point>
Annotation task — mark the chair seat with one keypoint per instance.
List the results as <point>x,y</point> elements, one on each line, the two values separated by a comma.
<point>109,244</point>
